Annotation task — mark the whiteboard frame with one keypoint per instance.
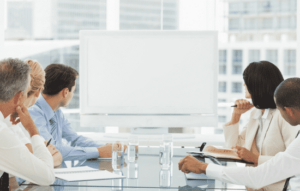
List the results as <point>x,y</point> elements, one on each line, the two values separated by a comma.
<point>90,118</point>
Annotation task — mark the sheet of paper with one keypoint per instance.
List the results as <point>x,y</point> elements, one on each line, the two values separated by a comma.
<point>74,169</point>
<point>92,175</point>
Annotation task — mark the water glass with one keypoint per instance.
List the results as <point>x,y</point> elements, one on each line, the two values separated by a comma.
<point>164,178</point>
<point>117,184</point>
<point>132,170</point>
<point>168,138</point>
<point>165,155</point>
<point>133,148</point>
<point>117,159</point>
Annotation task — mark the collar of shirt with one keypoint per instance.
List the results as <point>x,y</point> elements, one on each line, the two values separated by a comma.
<point>46,107</point>
<point>259,114</point>
<point>1,116</point>
<point>5,120</point>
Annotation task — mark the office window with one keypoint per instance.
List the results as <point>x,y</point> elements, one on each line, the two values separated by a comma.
<point>265,6</point>
<point>221,100</point>
<point>222,61</point>
<point>234,24</point>
<point>250,7</point>
<point>237,61</point>
<point>235,7</point>
<point>146,15</point>
<point>250,23</point>
<point>254,56</point>
<point>222,118</point>
<point>222,86</point>
<point>272,56</point>
<point>266,23</point>
<point>236,87</point>
<point>290,62</point>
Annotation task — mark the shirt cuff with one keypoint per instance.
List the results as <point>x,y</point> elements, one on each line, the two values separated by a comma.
<point>92,152</point>
<point>214,171</point>
<point>36,140</point>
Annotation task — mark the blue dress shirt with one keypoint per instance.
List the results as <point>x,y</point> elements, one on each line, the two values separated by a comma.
<point>78,147</point>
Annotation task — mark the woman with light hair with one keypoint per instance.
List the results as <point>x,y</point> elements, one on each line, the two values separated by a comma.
<point>36,86</point>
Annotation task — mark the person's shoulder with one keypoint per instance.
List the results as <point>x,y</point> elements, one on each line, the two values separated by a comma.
<point>253,111</point>
<point>8,138</point>
<point>35,110</point>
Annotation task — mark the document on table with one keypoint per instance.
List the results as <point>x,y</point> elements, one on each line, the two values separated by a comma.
<point>193,176</point>
<point>84,173</point>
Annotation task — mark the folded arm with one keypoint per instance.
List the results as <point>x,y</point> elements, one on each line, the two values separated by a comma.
<point>17,160</point>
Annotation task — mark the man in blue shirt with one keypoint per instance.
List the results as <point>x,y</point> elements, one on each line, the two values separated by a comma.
<point>51,122</point>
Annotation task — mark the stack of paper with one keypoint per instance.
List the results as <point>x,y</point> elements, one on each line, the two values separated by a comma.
<point>84,173</point>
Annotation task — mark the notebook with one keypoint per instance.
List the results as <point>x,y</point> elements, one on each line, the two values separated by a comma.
<point>84,173</point>
<point>219,153</point>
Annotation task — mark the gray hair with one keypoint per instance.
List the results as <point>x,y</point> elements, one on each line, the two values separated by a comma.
<point>14,77</point>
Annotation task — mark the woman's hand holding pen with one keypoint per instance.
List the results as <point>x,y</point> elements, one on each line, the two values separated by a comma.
<point>242,106</point>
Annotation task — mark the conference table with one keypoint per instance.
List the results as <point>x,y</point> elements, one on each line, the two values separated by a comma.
<point>144,174</point>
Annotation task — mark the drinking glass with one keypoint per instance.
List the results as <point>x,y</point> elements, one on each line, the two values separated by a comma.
<point>117,159</point>
<point>133,148</point>
<point>165,178</point>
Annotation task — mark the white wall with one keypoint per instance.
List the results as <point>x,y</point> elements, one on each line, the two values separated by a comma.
<point>298,39</point>
<point>2,25</point>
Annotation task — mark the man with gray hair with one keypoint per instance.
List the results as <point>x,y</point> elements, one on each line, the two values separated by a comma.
<point>15,158</point>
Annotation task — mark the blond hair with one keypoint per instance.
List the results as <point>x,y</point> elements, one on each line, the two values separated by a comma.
<point>37,76</point>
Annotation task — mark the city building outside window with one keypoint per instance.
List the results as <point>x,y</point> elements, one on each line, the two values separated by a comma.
<point>236,87</point>
<point>237,61</point>
<point>222,118</point>
<point>222,87</point>
<point>290,62</point>
<point>222,61</point>
<point>272,56</point>
<point>234,24</point>
<point>254,56</point>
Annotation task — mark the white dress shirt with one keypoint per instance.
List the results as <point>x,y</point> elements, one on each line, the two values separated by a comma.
<point>16,159</point>
<point>19,130</point>
<point>280,167</point>
<point>261,118</point>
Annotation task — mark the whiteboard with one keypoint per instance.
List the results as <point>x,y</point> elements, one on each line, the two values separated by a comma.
<point>148,72</point>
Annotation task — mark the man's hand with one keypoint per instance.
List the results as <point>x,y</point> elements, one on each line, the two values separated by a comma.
<point>26,120</point>
<point>246,155</point>
<point>105,151</point>
<point>191,164</point>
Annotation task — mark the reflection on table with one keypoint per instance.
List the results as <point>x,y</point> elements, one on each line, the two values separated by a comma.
<point>143,174</point>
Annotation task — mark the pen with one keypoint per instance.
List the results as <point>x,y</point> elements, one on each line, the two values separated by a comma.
<point>236,105</point>
<point>48,143</point>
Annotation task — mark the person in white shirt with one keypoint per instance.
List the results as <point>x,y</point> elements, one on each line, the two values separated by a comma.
<point>280,167</point>
<point>15,157</point>
<point>266,133</point>
<point>37,82</point>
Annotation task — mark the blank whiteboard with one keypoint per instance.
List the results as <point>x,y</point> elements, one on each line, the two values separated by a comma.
<point>148,72</point>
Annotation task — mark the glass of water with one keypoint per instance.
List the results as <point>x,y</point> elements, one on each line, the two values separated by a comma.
<point>133,148</point>
<point>168,139</point>
<point>166,151</point>
<point>117,159</point>
<point>117,184</point>
<point>165,178</point>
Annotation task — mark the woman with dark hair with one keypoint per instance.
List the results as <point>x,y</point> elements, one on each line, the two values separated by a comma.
<point>266,133</point>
